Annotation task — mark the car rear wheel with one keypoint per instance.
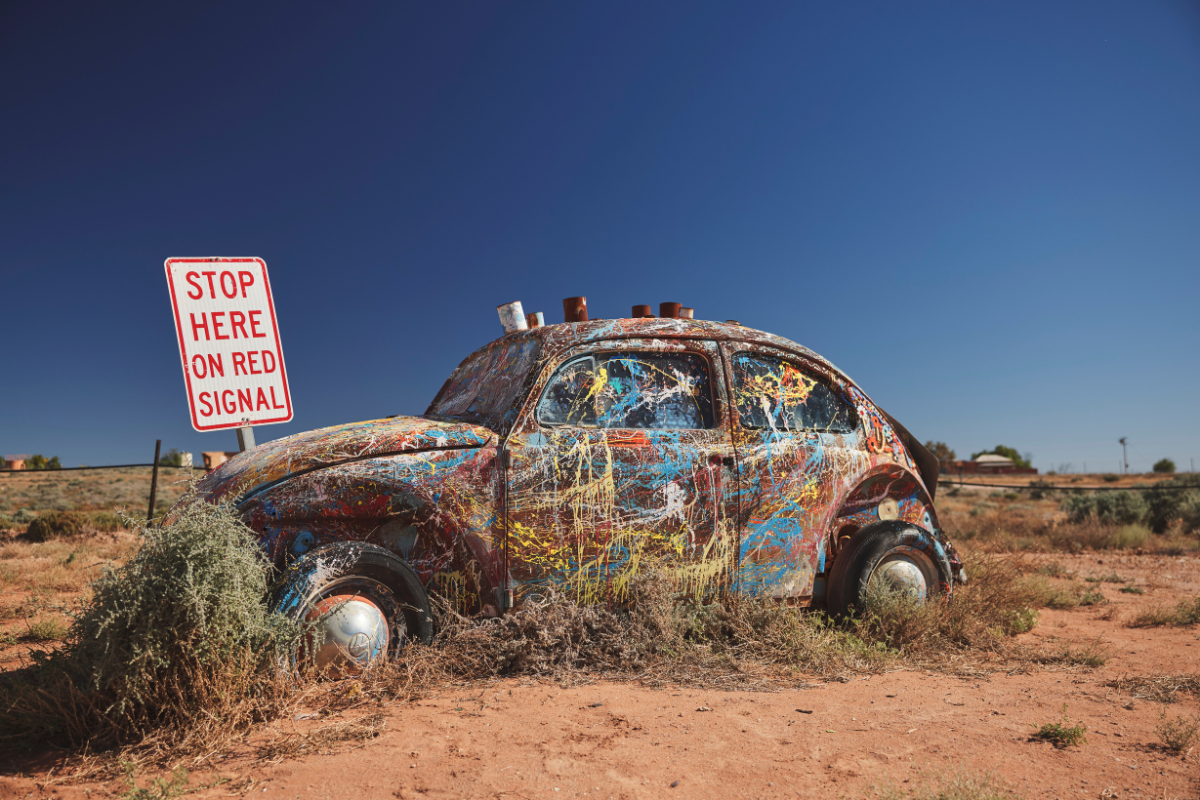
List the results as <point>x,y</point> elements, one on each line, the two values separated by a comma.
<point>888,556</point>
<point>362,602</point>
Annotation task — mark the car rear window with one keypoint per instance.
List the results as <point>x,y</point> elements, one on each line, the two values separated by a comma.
<point>775,394</point>
<point>662,391</point>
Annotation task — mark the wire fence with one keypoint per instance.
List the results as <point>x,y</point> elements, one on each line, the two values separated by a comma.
<point>1045,486</point>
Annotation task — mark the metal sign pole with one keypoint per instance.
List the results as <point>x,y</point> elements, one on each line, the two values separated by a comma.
<point>245,438</point>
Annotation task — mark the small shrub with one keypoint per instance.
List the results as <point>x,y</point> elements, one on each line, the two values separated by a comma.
<point>106,522</point>
<point>6,523</point>
<point>1092,597</point>
<point>1131,589</point>
<point>1111,577</point>
<point>1055,570</point>
<point>24,516</point>
<point>1110,478</point>
<point>1127,537</point>
<point>56,525</point>
<point>1164,466</point>
<point>175,640</point>
<point>1186,612</point>
<point>1039,489</point>
<point>1062,734</point>
<point>1177,735</point>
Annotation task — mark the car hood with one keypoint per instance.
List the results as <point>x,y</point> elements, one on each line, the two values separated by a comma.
<point>279,460</point>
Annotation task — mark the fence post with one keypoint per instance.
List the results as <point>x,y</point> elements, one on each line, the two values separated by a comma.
<point>153,481</point>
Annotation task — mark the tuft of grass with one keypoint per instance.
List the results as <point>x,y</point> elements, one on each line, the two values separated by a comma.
<point>1186,612</point>
<point>1177,735</point>
<point>1061,734</point>
<point>44,630</point>
<point>1131,589</point>
<point>960,785</point>
<point>1092,597</point>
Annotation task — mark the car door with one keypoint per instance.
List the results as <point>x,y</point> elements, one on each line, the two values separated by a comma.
<point>795,433</point>
<point>622,461</point>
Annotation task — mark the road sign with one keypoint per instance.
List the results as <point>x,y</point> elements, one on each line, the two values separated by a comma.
<point>228,342</point>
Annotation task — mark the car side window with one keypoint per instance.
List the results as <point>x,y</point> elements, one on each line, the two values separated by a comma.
<point>771,393</point>
<point>569,399</point>
<point>660,391</point>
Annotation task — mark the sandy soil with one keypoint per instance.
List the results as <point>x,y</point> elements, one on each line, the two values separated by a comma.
<point>513,739</point>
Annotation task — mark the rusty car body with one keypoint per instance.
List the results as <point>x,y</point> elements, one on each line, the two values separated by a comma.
<point>578,455</point>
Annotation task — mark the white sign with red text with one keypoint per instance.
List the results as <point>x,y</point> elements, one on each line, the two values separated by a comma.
<point>228,342</point>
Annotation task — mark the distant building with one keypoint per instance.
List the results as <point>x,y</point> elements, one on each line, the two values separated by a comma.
<point>215,458</point>
<point>16,462</point>
<point>994,465</point>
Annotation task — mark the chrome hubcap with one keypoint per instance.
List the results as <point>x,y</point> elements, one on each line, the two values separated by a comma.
<point>900,572</point>
<point>351,632</point>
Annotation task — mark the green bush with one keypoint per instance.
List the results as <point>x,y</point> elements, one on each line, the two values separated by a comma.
<point>1119,508</point>
<point>56,525</point>
<point>1164,465</point>
<point>24,516</point>
<point>6,523</point>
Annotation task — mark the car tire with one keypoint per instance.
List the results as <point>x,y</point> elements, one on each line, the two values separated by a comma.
<point>894,553</point>
<point>357,581</point>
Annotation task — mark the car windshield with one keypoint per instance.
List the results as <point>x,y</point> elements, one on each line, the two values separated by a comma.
<point>484,388</point>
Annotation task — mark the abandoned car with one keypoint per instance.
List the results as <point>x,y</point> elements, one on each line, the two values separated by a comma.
<point>579,455</point>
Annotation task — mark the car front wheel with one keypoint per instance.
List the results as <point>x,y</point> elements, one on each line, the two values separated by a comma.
<point>362,602</point>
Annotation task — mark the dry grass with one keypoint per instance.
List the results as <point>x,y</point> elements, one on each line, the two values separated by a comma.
<point>961,785</point>
<point>1001,526</point>
<point>1159,688</point>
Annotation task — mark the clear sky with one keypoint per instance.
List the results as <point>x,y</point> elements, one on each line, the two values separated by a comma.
<point>988,214</point>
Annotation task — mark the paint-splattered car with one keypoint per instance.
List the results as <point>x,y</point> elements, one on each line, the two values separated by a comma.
<point>579,455</point>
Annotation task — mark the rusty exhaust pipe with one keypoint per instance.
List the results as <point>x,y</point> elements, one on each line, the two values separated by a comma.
<point>575,309</point>
<point>669,310</point>
<point>642,311</point>
<point>534,319</point>
<point>686,313</point>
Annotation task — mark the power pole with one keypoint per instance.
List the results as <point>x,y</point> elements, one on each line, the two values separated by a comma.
<point>1124,454</point>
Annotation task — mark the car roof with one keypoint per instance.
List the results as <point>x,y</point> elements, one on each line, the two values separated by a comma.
<point>558,337</point>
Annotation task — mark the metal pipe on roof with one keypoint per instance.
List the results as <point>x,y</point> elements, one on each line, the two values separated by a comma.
<point>669,310</point>
<point>575,309</point>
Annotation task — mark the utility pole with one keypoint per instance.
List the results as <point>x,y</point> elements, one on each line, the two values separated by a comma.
<point>1124,454</point>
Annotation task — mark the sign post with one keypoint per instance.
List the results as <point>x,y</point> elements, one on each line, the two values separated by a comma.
<point>229,344</point>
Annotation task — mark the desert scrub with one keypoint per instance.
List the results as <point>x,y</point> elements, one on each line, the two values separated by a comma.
<point>177,639</point>
<point>56,525</point>
<point>1119,508</point>
<point>1061,734</point>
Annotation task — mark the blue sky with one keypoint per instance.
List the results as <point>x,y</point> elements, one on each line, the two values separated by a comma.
<point>988,214</point>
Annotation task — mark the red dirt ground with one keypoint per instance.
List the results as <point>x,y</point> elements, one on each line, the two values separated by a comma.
<point>511,739</point>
